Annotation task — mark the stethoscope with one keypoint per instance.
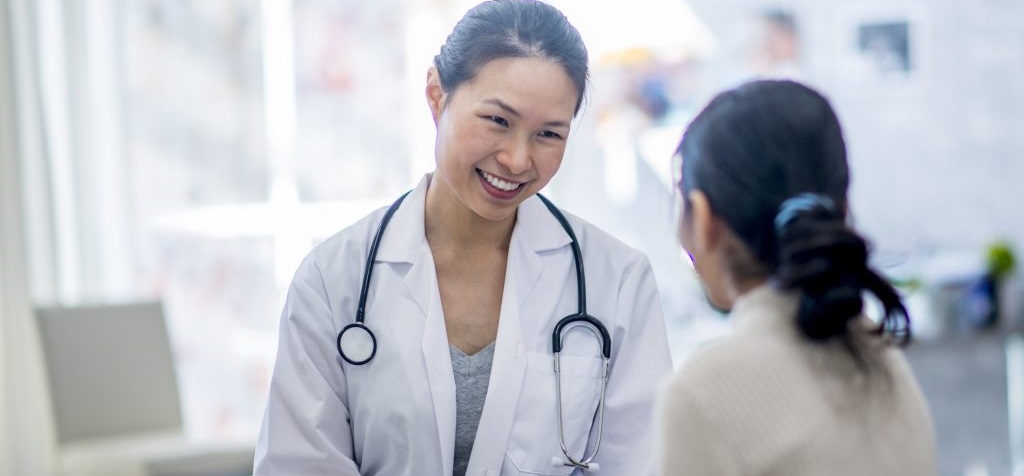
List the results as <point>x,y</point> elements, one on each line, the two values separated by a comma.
<point>357,344</point>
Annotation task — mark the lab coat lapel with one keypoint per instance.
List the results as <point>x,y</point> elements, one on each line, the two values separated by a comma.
<point>436,357</point>
<point>405,242</point>
<point>536,230</point>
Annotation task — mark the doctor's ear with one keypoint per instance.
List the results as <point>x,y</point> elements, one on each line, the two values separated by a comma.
<point>435,93</point>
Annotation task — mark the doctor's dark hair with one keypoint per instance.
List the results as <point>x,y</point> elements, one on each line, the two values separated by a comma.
<point>511,29</point>
<point>771,159</point>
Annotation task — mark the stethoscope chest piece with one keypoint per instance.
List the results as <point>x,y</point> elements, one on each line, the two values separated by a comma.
<point>356,344</point>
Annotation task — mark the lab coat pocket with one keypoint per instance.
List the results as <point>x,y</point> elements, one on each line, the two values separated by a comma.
<point>534,441</point>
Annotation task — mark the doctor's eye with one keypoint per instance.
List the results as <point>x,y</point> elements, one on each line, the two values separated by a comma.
<point>551,135</point>
<point>498,120</point>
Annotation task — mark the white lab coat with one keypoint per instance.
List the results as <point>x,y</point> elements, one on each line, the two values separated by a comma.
<point>396,415</point>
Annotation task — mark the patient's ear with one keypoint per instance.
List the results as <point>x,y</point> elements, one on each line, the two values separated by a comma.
<point>710,235</point>
<point>706,226</point>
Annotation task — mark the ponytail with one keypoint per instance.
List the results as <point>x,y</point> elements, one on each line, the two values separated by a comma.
<point>826,261</point>
<point>752,151</point>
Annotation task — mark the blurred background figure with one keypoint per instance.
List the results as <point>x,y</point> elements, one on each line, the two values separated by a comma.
<point>193,152</point>
<point>775,52</point>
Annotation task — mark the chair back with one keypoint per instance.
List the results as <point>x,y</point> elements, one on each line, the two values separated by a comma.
<point>110,369</point>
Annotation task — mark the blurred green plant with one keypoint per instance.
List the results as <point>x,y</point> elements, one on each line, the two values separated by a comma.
<point>1000,260</point>
<point>906,284</point>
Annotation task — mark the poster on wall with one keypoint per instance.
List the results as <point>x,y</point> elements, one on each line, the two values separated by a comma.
<point>883,46</point>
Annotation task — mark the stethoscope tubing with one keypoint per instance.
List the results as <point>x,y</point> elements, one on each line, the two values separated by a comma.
<point>599,331</point>
<point>581,276</point>
<point>372,255</point>
<point>585,461</point>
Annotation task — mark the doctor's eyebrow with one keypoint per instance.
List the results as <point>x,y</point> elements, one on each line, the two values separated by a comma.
<point>514,113</point>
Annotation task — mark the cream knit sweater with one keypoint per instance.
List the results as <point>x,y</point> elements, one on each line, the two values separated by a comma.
<point>766,401</point>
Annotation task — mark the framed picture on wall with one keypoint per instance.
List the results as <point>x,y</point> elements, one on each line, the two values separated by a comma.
<point>883,45</point>
<point>884,48</point>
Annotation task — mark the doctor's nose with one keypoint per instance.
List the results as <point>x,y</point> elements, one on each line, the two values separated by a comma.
<point>516,157</point>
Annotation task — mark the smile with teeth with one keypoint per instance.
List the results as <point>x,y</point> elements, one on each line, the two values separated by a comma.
<point>499,183</point>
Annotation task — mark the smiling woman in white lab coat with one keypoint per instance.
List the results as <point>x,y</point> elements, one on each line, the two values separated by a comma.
<point>470,278</point>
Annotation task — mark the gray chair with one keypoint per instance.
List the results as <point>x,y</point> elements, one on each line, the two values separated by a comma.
<point>115,400</point>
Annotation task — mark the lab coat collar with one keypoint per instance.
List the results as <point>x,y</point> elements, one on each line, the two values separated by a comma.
<point>536,231</point>
<point>405,235</point>
<point>540,229</point>
<point>535,225</point>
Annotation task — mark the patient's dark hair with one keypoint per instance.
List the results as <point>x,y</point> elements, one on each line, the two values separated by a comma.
<point>511,29</point>
<point>770,157</point>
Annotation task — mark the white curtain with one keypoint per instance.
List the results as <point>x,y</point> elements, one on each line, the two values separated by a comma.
<point>25,429</point>
<point>56,180</point>
<point>25,434</point>
<point>72,168</point>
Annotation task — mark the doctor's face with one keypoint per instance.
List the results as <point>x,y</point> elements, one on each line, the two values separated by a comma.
<point>501,135</point>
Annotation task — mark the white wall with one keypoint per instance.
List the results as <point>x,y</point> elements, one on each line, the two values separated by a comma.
<point>25,426</point>
<point>937,162</point>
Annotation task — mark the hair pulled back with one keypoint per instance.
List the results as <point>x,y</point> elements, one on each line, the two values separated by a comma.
<point>771,159</point>
<point>511,29</point>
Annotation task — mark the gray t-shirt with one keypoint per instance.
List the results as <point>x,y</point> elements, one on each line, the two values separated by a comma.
<point>472,374</point>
